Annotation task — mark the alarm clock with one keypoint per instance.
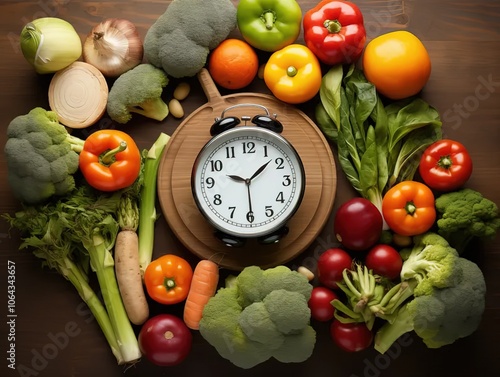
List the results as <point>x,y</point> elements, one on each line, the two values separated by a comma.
<point>248,180</point>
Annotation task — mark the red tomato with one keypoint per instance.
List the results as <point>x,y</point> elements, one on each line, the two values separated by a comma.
<point>445,165</point>
<point>165,340</point>
<point>351,337</point>
<point>384,260</point>
<point>320,304</point>
<point>331,264</point>
<point>358,224</point>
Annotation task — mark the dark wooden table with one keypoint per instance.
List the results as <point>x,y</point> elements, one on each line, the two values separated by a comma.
<point>54,334</point>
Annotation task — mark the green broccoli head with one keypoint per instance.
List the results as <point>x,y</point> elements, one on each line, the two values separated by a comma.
<point>198,26</point>
<point>41,156</point>
<point>464,215</point>
<point>138,91</point>
<point>249,322</point>
<point>431,262</point>
<point>442,316</point>
<point>455,312</point>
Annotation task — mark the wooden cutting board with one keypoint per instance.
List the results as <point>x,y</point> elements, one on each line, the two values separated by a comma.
<point>174,181</point>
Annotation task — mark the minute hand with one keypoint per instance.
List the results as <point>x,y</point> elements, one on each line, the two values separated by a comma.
<point>259,170</point>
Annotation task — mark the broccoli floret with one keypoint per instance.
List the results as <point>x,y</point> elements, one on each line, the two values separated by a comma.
<point>464,215</point>
<point>138,91</point>
<point>41,156</point>
<point>183,36</point>
<point>442,315</point>
<point>288,310</point>
<point>256,322</point>
<point>431,262</point>
<point>249,322</point>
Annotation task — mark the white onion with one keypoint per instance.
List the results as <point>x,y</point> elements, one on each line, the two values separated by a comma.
<point>113,47</point>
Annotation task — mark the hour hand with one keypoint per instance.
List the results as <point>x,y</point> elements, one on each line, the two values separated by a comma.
<point>236,178</point>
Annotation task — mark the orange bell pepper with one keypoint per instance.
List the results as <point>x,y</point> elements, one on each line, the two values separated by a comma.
<point>110,160</point>
<point>168,279</point>
<point>293,74</point>
<point>408,208</point>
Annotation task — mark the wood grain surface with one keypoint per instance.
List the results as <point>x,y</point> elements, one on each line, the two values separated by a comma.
<point>55,334</point>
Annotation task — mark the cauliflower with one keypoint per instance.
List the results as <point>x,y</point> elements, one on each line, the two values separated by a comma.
<point>464,215</point>
<point>41,156</point>
<point>138,91</point>
<point>182,37</point>
<point>261,314</point>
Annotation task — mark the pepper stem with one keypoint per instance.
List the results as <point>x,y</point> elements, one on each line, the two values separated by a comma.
<point>333,26</point>
<point>291,71</point>
<point>169,283</point>
<point>110,156</point>
<point>410,208</point>
<point>269,18</point>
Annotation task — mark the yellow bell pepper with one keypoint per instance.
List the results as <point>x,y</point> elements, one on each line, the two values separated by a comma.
<point>293,74</point>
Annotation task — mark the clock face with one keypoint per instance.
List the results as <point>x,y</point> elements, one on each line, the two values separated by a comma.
<point>248,181</point>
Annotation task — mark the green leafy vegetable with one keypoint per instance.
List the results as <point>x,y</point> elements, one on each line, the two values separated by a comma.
<point>378,145</point>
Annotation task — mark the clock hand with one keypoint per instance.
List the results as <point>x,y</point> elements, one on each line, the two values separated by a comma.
<point>236,178</point>
<point>259,170</point>
<point>250,217</point>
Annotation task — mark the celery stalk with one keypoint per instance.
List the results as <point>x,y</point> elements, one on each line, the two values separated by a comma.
<point>147,205</point>
<point>102,263</point>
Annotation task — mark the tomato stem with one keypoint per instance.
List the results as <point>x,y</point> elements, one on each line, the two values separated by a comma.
<point>445,162</point>
<point>333,26</point>
<point>109,157</point>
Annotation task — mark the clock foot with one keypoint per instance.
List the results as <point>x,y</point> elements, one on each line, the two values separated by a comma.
<point>228,240</point>
<point>274,237</point>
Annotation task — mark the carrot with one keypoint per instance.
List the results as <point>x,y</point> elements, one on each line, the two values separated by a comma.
<point>128,276</point>
<point>203,286</point>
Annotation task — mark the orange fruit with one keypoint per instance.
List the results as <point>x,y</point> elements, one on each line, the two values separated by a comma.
<point>233,64</point>
<point>397,63</point>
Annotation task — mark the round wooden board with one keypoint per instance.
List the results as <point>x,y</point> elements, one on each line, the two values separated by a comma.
<point>174,181</point>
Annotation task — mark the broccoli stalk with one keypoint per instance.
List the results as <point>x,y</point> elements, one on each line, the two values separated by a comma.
<point>465,215</point>
<point>147,201</point>
<point>139,91</point>
<point>41,155</point>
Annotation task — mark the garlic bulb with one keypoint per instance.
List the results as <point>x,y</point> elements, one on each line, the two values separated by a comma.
<point>113,47</point>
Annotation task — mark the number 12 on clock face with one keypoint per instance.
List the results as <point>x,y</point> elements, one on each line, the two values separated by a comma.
<point>248,181</point>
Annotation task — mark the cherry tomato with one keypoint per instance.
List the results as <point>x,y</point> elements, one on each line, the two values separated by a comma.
<point>331,264</point>
<point>384,260</point>
<point>445,165</point>
<point>320,304</point>
<point>358,224</point>
<point>351,337</point>
<point>408,208</point>
<point>165,340</point>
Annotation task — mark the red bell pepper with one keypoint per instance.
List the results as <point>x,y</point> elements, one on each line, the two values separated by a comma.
<point>334,31</point>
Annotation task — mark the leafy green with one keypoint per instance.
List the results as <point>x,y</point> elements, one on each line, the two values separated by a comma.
<point>378,145</point>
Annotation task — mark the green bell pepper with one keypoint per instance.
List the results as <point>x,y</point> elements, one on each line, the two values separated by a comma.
<point>269,25</point>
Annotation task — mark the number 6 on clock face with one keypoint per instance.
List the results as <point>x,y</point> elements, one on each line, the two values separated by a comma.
<point>248,181</point>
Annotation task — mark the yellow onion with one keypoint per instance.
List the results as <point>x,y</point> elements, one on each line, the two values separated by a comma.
<point>50,44</point>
